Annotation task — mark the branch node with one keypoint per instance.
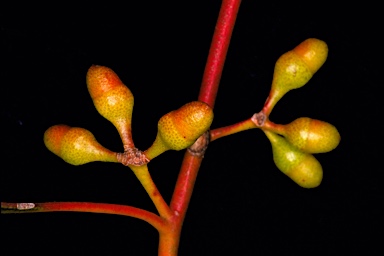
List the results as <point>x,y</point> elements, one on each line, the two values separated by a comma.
<point>259,118</point>
<point>201,144</point>
<point>132,156</point>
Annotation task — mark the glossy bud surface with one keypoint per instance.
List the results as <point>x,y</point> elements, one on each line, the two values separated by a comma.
<point>311,135</point>
<point>302,168</point>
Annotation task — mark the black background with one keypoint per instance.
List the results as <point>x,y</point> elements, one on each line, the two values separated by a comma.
<point>242,204</point>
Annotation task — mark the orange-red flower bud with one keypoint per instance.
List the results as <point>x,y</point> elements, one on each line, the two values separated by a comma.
<point>76,145</point>
<point>180,128</point>
<point>112,99</point>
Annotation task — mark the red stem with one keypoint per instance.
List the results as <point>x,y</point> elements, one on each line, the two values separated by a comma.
<point>208,91</point>
<point>117,209</point>
<point>168,243</point>
<point>185,183</point>
<point>169,239</point>
<point>218,51</point>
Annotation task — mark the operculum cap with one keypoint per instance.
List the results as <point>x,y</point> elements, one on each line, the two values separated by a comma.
<point>53,137</point>
<point>313,52</point>
<point>76,145</point>
<point>101,79</point>
<point>301,167</point>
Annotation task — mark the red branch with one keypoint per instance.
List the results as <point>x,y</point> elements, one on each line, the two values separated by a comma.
<point>208,91</point>
<point>185,182</point>
<point>218,51</point>
<point>117,209</point>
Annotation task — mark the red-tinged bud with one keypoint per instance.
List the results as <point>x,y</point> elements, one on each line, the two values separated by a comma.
<point>180,128</point>
<point>295,68</point>
<point>112,99</point>
<point>76,145</point>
